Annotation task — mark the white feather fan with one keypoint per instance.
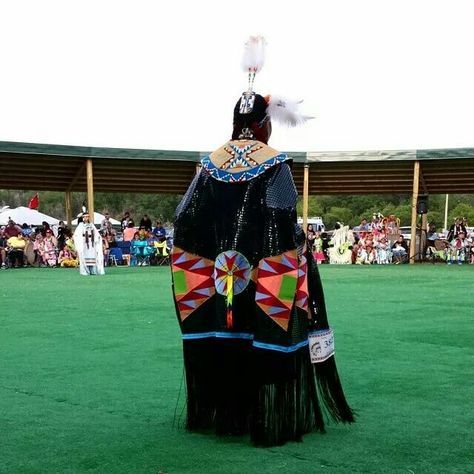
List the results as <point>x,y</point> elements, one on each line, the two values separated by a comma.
<point>285,111</point>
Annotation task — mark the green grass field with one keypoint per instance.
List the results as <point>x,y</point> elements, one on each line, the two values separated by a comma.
<point>91,376</point>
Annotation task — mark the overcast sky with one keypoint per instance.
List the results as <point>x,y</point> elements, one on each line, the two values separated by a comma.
<point>375,74</point>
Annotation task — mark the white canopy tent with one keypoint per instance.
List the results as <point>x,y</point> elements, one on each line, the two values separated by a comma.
<point>98,218</point>
<point>22,215</point>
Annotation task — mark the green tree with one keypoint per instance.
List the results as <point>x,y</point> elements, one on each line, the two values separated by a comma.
<point>436,218</point>
<point>461,210</point>
<point>338,214</point>
<point>346,208</point>
<point>157,206</point>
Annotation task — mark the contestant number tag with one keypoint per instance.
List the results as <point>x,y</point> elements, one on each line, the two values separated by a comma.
<point>321,345</point>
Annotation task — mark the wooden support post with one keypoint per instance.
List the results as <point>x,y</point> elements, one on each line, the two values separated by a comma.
<point>90,189</point>
<point>68,203</point>
<point>414,213</point>
<point>446,213</point>
<point>305,196</point>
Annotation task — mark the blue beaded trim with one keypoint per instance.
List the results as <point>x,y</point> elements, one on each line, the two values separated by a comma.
<point>240,176</point>
<point>246,336</point>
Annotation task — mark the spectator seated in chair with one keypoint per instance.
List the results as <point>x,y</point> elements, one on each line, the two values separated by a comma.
<point>49,247</point>
<point>159,231</point>
<point>67,258</point>
<point>110,236</point>
<point>129,232</point>
<point>400,250</point>
<point>458,249</point>
<point>140,250</point>
<point>435,246</point>
<point>366,255</point>
<point>26,230</point>
<point>392,227</point>
<point>362,228</point>
<point>11,230</point>
<point>15,250</point>
<point>384,253</point>
<point>38,248</point>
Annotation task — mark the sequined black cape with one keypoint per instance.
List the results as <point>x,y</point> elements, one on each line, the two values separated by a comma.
<point>234,386</point>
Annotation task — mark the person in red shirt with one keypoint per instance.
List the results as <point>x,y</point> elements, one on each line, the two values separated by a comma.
<point>11,230</point>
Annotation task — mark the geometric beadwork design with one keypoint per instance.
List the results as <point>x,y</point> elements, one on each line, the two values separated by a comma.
<point>231,263</point>
<point>192,280</point>
<point>241,157</point>
<point>302,285</point>
<point>241,160</point>
<point>277,280</point>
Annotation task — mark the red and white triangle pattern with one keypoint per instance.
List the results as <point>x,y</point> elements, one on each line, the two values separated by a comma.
<point>199,283</point>
<point>270,277</point>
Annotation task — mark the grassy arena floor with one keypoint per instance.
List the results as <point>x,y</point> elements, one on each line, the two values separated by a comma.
<point>91,371</point>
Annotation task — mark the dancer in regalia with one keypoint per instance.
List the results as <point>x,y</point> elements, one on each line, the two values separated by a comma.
<point>258,350</point>
<point>88,244</point>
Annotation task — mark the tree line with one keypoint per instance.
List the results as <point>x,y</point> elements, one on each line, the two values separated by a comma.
<point>157,206</point>
<point>348,209</point>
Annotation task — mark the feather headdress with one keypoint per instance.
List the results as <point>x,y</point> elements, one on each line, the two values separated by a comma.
<point>285,111</point>
<point>279,109</point>
<point>254,54</point>
<point>252,62</point>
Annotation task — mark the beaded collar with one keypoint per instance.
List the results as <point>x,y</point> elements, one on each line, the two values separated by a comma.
<point>241,160</point>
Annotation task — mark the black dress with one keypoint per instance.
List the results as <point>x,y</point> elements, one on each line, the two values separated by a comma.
<point>247,295</point>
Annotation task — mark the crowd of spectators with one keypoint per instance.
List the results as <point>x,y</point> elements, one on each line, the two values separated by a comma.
<point>457,247</point>
<point>381,242</point>
<point>22,246</point>
<point>376,242</point>
<point>46,246</point>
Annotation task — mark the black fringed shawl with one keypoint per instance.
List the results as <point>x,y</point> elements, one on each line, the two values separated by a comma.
<point>255,376</point>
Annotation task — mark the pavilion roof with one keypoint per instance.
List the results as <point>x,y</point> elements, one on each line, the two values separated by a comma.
<point>38,167</point>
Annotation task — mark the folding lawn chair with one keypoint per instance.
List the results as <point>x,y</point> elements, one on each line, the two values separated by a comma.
<point>162,253</point>
<point>115,256</point>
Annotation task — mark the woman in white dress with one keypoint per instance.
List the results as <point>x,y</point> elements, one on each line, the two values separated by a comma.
<point>88,243</point>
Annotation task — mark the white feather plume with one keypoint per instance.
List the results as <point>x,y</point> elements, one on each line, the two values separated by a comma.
<point>285,111</point>
<point>254,54</point>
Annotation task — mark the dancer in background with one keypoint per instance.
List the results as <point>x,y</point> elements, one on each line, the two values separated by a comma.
<point>88,245</point>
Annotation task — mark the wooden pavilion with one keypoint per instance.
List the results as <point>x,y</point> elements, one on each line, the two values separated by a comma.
<point>71,169</point>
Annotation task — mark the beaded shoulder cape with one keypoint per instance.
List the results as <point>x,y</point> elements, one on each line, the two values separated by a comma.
<point>241,160</point>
